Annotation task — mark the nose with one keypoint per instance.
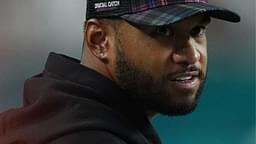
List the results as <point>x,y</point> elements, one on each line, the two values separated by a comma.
<point>186,51</point>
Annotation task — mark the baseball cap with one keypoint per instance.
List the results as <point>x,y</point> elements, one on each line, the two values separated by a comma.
<point>156,12</point>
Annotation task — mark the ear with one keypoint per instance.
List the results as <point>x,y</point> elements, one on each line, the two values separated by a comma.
<point>96,38</point>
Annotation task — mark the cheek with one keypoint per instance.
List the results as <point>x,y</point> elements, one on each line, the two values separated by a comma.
<point>203,58</point>
<point>150,56</point>
<point>140,49</point>
<point>144,52</point>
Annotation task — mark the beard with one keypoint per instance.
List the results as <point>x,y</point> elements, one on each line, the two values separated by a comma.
<point>152,94</point>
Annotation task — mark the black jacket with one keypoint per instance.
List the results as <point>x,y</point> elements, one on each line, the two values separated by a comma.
<point>71,104</point>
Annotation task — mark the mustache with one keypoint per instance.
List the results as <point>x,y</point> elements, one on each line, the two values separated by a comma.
<point>190,68</point>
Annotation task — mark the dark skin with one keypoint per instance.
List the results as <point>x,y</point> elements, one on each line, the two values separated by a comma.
<point>168,64</point>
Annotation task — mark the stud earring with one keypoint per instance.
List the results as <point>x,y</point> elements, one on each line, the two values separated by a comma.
<point>103,55</point>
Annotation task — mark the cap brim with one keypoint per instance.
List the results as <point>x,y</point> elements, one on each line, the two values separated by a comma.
<point>175,13</point>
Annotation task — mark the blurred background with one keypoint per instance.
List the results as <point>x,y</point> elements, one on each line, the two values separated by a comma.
<point>30,29</point>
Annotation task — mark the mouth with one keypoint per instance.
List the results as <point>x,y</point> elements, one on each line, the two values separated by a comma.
<point>187,81</point>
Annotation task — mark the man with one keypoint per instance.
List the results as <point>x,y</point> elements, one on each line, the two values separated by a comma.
<point>139,58</point>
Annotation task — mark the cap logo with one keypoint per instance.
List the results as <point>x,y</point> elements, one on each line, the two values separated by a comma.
<point>106,5</point>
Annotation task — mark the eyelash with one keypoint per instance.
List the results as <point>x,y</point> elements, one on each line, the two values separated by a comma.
<point>161,31</point>
<point>164,31</point>
<point>197,31</point>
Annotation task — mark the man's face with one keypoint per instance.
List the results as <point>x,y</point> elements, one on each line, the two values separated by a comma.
<point>163,68</point>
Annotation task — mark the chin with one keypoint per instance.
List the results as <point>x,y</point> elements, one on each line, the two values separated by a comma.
<point>178,103</point>
<point>175,103</point>
<point>179,109</point>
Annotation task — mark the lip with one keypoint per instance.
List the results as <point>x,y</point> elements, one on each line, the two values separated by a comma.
<point>184,74</point>
<point>185,85</point>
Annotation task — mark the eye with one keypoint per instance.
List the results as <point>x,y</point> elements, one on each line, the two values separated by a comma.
<point>198,31</point>
<point>164,31</point>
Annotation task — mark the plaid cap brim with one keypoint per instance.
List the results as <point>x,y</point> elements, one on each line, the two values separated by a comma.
<point>174,13</point>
